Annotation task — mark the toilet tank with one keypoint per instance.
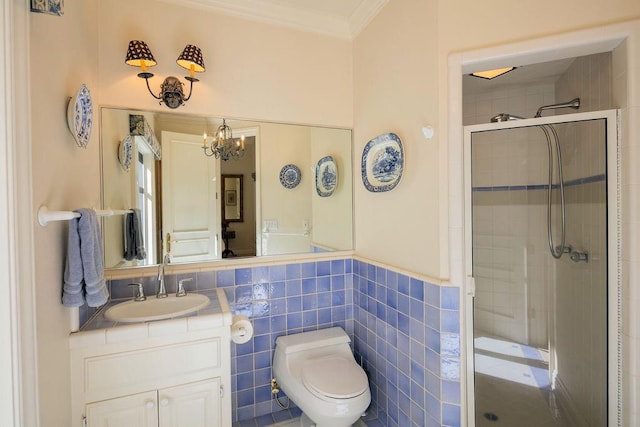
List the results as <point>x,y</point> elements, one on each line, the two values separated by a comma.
<point>310,340</point>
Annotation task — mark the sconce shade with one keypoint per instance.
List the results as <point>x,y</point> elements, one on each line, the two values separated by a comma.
<point>139,54</point>
<point>171,92</point>
<point>191,56</point>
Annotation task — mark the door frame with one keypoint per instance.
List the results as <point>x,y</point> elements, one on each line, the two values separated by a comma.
<point>614,280</point>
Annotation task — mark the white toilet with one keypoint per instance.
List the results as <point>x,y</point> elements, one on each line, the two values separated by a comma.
<point>318,372</point>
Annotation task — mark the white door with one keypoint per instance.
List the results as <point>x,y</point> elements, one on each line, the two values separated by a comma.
<point>191,405</point>
<point>190,203</point>
<point>138,410</point>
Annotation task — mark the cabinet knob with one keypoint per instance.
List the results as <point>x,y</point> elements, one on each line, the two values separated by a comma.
<point>150,405</point>
<point>164,401</point>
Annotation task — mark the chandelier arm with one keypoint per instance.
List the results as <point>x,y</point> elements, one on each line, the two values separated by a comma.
<point>208,150</point>
<point>146,79</point>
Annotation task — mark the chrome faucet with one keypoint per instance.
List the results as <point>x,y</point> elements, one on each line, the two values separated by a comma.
<point>162,290</point>
<point>139,292</point>
<point>182,292</point>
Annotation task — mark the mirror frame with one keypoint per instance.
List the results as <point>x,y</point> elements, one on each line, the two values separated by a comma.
<point>239,197</point>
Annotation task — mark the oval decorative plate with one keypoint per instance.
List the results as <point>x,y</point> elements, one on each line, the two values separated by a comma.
<point>326,176</point>
<point>290,176</point>
<point>125,153</point>
<point>382,163</point>
<point>80,116</point>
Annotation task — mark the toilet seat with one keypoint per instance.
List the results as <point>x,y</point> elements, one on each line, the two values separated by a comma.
<point>334,377</point>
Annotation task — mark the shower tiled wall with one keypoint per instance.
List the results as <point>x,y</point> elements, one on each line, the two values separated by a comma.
<point>581,291</point>
<point>519,100</point>
<point>405,332</point>
<point>589,78</point>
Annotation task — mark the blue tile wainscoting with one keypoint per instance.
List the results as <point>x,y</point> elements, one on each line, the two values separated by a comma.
<point>281,300</point>
<point>405,333</point>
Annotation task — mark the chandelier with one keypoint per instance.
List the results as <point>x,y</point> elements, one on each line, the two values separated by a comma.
<point>223,145</point>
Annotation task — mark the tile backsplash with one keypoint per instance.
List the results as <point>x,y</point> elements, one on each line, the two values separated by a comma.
<point>404,331</point>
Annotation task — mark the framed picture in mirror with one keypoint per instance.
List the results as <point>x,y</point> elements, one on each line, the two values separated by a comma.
<point>230,198</point>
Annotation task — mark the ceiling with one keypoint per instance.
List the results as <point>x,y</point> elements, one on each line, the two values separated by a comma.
<point>337,18</point>
<point>544,72</point>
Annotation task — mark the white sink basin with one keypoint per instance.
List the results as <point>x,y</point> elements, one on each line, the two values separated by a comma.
<point>156,308</point>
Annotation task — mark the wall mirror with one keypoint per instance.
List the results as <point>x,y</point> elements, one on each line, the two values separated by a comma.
<point>199,209</point>
<point>233,200</point>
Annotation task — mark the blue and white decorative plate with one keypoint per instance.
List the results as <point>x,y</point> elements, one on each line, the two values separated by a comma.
<point>290,176</point>
<point>80,116</point>
<point>382,163</point>
<point>125,153</point>
<point>326,176</point>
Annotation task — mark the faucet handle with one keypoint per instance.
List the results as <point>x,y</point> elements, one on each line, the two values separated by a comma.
<point>181,291</point>
<point>140,292</point>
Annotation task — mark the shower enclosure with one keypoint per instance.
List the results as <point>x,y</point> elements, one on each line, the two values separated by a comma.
<point>543,259</point>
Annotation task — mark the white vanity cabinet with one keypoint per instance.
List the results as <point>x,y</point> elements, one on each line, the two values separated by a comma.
<point>173,373</point>
<point>139,410</point>
<point>190,405</point>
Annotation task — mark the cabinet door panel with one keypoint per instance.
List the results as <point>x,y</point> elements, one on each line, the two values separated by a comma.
<point>138,410</point>
<point>191,405</point>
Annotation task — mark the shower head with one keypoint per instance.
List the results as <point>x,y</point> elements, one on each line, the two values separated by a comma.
<point>505,117</point>
<point>574,103</point>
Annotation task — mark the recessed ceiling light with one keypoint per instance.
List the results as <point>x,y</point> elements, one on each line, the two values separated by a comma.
<point>492,74</point>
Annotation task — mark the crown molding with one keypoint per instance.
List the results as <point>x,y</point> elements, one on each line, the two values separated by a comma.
<point>292,17</point>
<point>364,14</point>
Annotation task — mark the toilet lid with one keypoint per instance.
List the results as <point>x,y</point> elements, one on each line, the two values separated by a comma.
<point>335,377</point>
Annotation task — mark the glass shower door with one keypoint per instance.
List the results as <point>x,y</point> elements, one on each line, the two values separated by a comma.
<point>540,324</point>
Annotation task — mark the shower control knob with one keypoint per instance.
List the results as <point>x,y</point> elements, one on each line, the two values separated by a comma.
<point>579,256</point>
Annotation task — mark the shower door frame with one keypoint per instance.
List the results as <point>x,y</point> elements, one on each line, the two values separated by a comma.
<point>614,269</point>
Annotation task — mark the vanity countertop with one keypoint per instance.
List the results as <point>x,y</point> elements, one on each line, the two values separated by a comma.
<point>99,330</point>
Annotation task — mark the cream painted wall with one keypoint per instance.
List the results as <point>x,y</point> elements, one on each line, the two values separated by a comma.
<point>63,56</point>
<point>396,90</point>
<point>254,70</point>
<point>288,206</point>
<point>330,228</point>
